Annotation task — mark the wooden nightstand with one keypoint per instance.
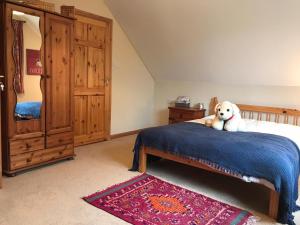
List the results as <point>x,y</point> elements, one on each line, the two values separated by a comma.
<point>177,114</point>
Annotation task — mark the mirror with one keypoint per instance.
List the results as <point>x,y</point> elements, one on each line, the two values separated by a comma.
<point>28,65</point>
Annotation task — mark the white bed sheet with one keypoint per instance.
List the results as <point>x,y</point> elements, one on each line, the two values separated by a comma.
<point>286,130</point>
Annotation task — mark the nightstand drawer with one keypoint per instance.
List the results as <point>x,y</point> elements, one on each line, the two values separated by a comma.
<point>177,115</point>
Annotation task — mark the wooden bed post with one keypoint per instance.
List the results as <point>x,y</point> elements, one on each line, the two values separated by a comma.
<point>213,102</point>
<point>273,204</point>
<point>143,160</point>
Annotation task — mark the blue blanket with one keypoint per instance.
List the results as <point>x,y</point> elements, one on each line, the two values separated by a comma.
<point>29,109</point>
<point>267,156</point>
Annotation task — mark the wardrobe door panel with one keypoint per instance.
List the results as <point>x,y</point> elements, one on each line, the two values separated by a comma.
<point>59,74</point>
<point>80,31</point>
<point>96,34</point>
<point>81,115</point>
<point>96,123</point>
<point>95,68</point>
<point>81,65</point>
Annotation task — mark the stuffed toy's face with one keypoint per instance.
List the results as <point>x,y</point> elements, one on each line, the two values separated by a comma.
<point>226,110</point>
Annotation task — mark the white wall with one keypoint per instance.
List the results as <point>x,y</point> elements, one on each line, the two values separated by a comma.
<point>244,51</point>
<point>230,41</point>
<point>132,84</point>
<point>166,91</point>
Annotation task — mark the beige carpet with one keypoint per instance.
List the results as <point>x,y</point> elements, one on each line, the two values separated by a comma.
<point>51,195</point>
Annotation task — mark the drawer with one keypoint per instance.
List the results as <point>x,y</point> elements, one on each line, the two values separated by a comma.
<point>27,145</point>
<point>59,139</point>
<point>41,156</point>
<point>180,114</point>
<point>175,114</point>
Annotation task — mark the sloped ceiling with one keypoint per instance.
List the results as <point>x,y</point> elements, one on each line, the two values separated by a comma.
<point>229,41</point>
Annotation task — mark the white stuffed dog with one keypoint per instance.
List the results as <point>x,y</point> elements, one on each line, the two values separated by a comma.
<point>228,117</point>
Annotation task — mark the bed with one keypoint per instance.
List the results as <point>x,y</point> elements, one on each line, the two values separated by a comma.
<point>282,198</point>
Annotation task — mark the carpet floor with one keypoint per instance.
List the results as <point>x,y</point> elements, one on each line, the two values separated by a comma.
<point>51,195</point>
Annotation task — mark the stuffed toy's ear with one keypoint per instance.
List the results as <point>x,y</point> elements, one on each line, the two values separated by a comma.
<point>217,107</point>
<point>235,109</point>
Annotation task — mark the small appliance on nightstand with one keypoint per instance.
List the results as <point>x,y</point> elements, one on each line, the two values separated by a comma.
<point>180,114</point>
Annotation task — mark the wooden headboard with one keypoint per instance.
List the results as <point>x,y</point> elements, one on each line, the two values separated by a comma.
<point>265,113</point>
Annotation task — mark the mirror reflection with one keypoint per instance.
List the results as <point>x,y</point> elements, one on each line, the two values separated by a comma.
<point>28,65</point>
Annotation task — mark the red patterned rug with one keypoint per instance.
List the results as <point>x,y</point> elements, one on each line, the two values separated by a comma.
<point>147,200</point>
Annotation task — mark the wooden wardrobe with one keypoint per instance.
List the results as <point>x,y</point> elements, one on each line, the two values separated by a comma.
<point>41,134</point>
<point>92,81</point>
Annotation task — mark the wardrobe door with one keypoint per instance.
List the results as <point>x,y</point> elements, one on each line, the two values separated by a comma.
<point>92,78</point>
<point>59,85</point>
<point>25,72</point>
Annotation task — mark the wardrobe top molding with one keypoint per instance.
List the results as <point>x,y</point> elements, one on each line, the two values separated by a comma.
<point>20,3</point>
<point>71,11</point>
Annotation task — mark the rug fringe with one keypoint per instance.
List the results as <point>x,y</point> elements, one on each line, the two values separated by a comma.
<point>115,185</point>
<point>252,220</point>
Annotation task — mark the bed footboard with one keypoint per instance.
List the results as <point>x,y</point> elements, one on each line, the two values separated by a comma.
<point>274,196</point>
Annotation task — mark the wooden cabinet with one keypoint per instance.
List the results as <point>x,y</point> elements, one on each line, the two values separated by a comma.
<point>177,114</point>
<point>92,81</point>
<point>39,110</point>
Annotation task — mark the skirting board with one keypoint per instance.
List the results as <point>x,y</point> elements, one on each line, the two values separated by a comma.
<point>114,136</point>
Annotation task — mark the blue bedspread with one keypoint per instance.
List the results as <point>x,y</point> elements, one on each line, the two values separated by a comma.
<point>31,109</point>
<point>267,156</point>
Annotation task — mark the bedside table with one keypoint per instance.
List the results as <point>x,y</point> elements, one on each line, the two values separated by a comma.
<point>177,114</point>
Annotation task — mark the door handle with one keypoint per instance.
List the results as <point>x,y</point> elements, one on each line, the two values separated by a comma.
<point>1,83</point>
<point>2,87</point>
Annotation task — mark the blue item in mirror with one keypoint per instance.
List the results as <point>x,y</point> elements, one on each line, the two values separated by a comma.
<point>28,110</point>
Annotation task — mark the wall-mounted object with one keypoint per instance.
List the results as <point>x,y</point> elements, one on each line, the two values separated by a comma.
<point>33,62</point>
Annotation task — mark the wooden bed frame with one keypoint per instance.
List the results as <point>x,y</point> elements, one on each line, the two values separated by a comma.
<point>274,114</point>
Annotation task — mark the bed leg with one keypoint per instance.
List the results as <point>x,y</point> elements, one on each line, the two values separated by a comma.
<point>143,160</point>
<point>273,204</point>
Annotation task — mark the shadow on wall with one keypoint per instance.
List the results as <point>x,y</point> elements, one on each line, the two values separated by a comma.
<point>162,117</point>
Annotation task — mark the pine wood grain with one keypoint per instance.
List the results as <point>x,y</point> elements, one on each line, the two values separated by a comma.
<point>59,73</point>
<point>92,94</point>
<point>28,143</point>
